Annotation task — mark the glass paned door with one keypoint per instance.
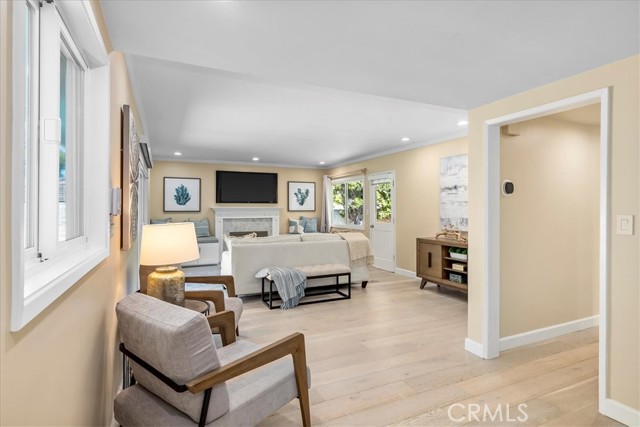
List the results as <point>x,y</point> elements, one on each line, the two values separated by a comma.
<point>382,231</point>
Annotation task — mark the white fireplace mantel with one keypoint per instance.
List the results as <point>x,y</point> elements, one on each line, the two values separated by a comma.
<point>249,213</point>
<point>242,212</point>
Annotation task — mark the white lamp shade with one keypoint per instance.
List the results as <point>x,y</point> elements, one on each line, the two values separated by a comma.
<point>166,244</point>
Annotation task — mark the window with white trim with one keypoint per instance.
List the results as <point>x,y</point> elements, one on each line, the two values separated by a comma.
<point>60,128</point>
<point>348,202</point>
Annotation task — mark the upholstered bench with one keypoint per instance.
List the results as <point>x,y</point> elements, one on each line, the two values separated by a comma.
<point>319,271</point>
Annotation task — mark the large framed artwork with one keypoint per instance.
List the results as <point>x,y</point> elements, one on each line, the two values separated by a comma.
<point>454,195</point>
<point>181,194</point>
<point>302,196</point>
<point>130,162</point>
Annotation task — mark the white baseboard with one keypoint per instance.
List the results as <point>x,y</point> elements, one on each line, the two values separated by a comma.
<point>620,412</point>
<point>474,347</point>
<point>547,333</point>
<point>407,273</point>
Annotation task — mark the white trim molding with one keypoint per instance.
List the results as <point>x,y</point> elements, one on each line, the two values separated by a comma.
<point>548,333</point>
<point>620,412</point>
<point>408,273</point>
<point>492,344</point>
<point>474,347</point>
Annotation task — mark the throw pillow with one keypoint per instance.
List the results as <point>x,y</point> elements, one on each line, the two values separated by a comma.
<point>202,228</point>
<point>310,225</point>
<point>293,226</point>
<point>160,220</point>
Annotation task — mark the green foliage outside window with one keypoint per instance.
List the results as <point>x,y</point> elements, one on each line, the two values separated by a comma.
<point>383,202</point>
<point>354,203</point>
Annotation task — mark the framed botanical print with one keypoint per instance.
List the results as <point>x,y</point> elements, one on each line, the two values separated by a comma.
<point>181,194</point>
<point>302,196</point>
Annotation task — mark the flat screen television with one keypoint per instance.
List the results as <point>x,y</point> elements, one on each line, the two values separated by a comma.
<point>246,187</point>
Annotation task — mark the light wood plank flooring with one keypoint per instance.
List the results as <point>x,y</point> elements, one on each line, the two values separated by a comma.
<point>394,355</point>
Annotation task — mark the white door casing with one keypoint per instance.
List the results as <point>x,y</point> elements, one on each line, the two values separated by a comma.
<point>491,342</point>
<point>382,233</point>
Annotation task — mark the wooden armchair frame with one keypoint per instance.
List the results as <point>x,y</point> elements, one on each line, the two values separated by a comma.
<point>222,321</point>
<point>292,345</point>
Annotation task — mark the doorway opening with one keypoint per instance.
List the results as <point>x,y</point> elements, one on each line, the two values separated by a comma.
<point>492,343</point>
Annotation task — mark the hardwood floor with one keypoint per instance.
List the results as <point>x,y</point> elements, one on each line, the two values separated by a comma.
<point>394,355</point>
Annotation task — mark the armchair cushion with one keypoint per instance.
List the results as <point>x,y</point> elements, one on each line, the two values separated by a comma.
<point>178,343</point>
<point>254,396</point>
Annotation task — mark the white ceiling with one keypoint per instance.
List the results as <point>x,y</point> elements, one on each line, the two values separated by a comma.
<point>298,82</point>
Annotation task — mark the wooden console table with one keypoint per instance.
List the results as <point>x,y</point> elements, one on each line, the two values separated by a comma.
<point>435,264</point>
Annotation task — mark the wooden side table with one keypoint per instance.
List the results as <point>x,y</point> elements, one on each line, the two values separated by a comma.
<point>197,305</point>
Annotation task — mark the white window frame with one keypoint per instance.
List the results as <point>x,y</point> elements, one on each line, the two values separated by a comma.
<point>36,284</point>
<point>344,181</point>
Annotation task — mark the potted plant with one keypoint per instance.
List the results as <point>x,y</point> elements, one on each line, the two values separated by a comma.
<point>458,253</point>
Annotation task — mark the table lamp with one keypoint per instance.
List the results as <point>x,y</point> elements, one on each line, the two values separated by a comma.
<point>165,245</point>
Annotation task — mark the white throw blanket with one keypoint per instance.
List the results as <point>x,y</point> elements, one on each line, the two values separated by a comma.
<point>290,283</point>
<point>360,253</point>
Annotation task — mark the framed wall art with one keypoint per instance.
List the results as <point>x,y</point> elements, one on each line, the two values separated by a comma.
<point>454,181</point>
<point>130,162</point>
<point>181,194</point>
<point>302,196</point>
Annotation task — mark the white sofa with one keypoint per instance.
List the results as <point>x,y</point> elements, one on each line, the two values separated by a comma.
<point>244,258</point>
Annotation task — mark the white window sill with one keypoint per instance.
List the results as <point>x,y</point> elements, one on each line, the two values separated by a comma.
<point>41,288</point>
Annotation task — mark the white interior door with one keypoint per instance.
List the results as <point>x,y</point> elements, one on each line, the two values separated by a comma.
<point>382,220</point>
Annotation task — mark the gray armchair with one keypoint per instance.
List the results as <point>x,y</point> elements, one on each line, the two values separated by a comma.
<point>217,300</point>
<point>183,380</point>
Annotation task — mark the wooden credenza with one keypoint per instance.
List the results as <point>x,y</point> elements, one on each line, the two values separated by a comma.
<point>435,264</point>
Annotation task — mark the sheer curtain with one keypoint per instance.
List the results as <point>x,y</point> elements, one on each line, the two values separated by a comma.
<point>327,205</point>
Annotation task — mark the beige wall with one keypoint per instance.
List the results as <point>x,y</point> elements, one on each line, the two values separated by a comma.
<point>624,320</point>
<point>207,173</point>
<point>417,190</point>
<point>549,225</point>
<point>63,368</point>
<point>417,193</point>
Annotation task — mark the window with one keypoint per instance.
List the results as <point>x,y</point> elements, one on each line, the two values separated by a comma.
<point>61,155</point>
<point>348,202</point>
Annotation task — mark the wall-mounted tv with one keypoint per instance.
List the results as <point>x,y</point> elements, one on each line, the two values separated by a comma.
<point>246,187</point>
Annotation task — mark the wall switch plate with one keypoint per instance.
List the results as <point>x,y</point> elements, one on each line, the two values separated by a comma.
<point>624,225</point>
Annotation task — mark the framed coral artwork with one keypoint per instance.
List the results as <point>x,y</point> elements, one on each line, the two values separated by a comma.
<point>302,196</point>
<point>181,194</point>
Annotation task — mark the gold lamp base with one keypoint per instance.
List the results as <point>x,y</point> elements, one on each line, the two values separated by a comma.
<point>167,284</point>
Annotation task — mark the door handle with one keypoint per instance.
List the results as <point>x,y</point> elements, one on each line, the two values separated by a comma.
<point>371,226</point>
<point>428,259</point>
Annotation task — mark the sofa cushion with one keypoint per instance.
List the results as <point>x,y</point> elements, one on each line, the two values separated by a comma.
<point>319,237</point>
<point>160,220</point>
<point>209,239</point>
<point>268,239</point>
<point>229,240</point>
<point>177,342</point>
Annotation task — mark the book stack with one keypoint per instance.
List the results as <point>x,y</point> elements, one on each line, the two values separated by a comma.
<point>458,267</point>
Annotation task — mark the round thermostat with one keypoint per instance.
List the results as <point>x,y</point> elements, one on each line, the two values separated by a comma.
<point>507,188</point>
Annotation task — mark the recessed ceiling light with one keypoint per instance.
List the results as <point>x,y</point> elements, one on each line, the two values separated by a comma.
<point>177,153</point>
<point>321,163</point>
<point>405,139</point>
<point>255,159</point>
<point>463,123</point>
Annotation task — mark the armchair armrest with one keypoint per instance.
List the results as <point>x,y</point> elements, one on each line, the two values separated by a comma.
<point>223,280</point>
<point>293,345</point>
<point>215,296</point>
<point>223,322</point>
